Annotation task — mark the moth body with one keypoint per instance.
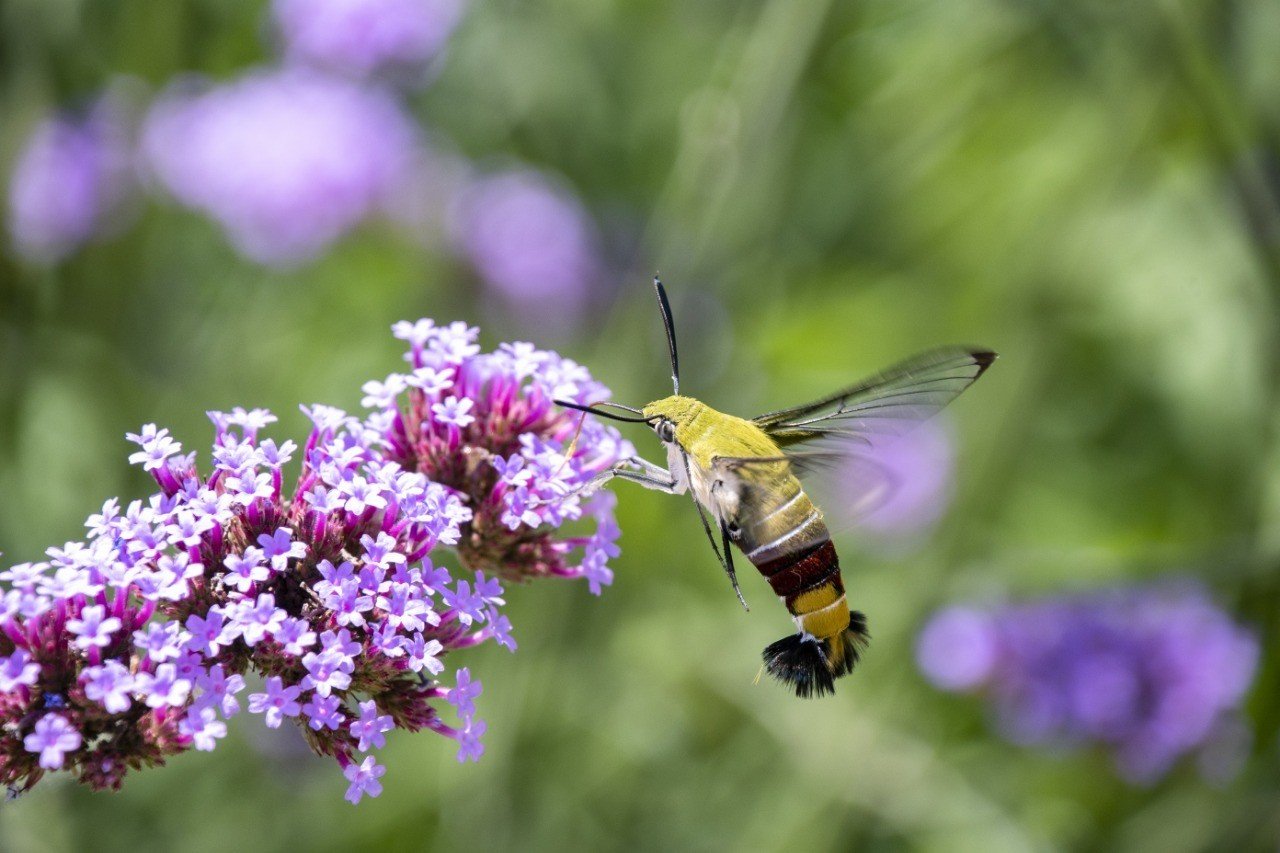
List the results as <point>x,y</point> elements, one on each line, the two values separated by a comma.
<point>746,474</point>
<point>775,525</point>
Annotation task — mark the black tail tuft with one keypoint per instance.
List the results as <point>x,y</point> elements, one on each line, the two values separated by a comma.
<point>811,666</point>
<point>800,662</point>
<point>852,642</point>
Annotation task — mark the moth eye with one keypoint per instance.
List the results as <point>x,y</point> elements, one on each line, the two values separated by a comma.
<point>667,431</point>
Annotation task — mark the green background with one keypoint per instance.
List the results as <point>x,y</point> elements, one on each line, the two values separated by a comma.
<point>1090,188</point>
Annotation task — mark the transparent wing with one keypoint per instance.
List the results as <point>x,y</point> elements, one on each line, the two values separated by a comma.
<point>846,486</point>
<point>891,403</point>
<point>857,450</point>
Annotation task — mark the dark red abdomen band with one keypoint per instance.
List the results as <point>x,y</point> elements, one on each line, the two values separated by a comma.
<point>792,574</point>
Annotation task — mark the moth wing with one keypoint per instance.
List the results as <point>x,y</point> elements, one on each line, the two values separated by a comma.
<point>845,483</point>
<point>892,402</point>
<point>832,443</point>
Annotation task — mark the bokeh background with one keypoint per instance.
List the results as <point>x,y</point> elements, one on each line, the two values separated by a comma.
<point>227,202</point>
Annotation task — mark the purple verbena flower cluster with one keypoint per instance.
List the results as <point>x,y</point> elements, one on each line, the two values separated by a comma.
<point>1150,673</point>
<point>485,425</point>
<point>136,643</point>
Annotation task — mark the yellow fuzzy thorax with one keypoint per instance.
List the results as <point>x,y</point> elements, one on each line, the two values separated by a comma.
<point>706,433</point>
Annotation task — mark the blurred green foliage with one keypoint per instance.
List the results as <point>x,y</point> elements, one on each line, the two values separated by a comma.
<point>1090,188</point>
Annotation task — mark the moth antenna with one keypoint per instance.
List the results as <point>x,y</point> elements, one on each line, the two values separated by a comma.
<point>624,408</point>
<point>670,325</point>
<point>591,410</point>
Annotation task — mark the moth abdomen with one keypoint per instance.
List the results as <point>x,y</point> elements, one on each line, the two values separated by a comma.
<point>806,576</point>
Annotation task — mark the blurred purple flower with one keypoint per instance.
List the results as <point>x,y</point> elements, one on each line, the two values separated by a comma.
<point>920,464</point>
<point>72,175</point>
<point>1152,673</point>
<point>531,241</point>
<point>286,161</point>
<point>957,649</point>
<point>361,36</point>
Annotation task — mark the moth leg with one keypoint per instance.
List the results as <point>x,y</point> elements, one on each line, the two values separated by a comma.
<point>655,472</point>
<point>726,564</point>
<point>649,475</point>
<point>664,483</point>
